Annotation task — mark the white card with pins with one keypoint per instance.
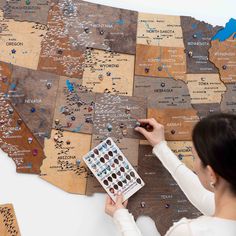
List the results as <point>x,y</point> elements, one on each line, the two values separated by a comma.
<point>112,169</point>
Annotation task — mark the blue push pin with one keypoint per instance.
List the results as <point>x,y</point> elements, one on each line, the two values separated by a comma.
<point>78,162</point>
<point>33,110</point>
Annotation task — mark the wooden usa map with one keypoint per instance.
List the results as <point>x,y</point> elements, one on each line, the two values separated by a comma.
<point>73,73</point>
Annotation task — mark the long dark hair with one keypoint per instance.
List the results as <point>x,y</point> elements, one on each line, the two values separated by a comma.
<point>214,138</point>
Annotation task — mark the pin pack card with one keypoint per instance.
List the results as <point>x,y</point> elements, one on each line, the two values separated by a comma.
<point>113,170</point>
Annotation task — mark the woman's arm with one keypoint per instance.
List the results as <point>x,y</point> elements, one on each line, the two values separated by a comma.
<point>201,198</point>
<point>125,223</point>
<point>122,218</point>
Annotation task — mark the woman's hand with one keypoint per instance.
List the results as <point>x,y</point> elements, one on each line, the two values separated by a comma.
<point>111,206</point>
<point>156,135</point>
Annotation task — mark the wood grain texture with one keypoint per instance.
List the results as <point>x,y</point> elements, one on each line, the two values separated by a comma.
<point>197,41</point>
<point>159,30</point>
<point>165,62</point>
<point>35,104</point>
<point>14,134</point>
<point>121,112</point>
<point>58,55</point>
<point>8,221</point>
<point>101,27</point>
<point>228,103</point>
<point>35,10</point>
<point>162,92</point>
<point>205,88</point>
<point>63,166</point>
<point>74,108</point>
<point>161,197</point>
<point>178,123</point>
<point>223,55</point>
<point>21,41</point>
<point>109,72</point>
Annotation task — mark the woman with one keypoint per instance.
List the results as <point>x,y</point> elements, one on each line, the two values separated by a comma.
<point>214,192</point>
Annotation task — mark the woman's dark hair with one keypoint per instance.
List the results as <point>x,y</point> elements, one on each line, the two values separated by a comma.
<point>214,138</point>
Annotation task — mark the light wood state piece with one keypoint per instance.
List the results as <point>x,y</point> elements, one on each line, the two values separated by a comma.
<point>159,30</point>
<point>205,88</point>
<point>21,42</point>
<point>107,71</point>
<point>178,123</point>
<point>8,221</point>
<point>165,62</point>
<point>63,166</point>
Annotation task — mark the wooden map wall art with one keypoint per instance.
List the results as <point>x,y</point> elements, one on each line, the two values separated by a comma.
<point>73,73</point>
<point>8,221</point>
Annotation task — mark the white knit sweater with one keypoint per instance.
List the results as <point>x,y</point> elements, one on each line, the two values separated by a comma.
<point>201,198</point>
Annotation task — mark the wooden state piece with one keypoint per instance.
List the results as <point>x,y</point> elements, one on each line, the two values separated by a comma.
<point>109,72</point>
<point>21,42</point>
<point>178,123</point>
<point>63,166</point>
<point>183,150</point>
<point>206,109</point>
<point>162,92</point>
<point>161,198</point>
<point>223,55</point>
<point>159,30</point>
<point>197,41</point>
<point>34,10</point>
<point>228,103</point>
<point>33,95</point>
<point>74,108</point>
<point>167,62</point>
<point>98,26</point>
<point>205,88</point>
<point>116,116</point>
<point>8,221</point>
<point>15,137</point>
<point>58,54</point>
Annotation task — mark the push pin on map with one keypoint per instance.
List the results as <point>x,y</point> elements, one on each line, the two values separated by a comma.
<point>78,162</point>
<point>172,131</point>
<point>109,127</point>
<point>19,121</point>
<point>127,110</point>
<point>56,138</point>
<point>190,54</point>
<point>143,204</point>
<point>148,127</point>
<point>48,85</point>
<point>10,110</point>
<point>30,140</point>
<point>86,30</point>
<point>147,70</point>
<point>224,67</point>
<point>4,79</point>
<point>57,121</point>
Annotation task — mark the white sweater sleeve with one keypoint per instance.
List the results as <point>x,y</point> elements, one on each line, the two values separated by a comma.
<point>125,223</point>
<point>201,198</point>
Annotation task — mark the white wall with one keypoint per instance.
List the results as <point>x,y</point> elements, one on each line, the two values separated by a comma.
<point>44,210</point>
